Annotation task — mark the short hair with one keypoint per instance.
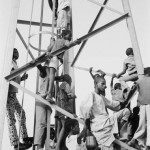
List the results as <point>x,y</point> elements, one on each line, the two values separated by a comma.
<point>136,110</point>
<point>97,78</point>
<point>66,32</point>
<point>129,51</point>
<point>69,124</point>
<point>15,49</point>
<point>117,86</point>
<point>66,77</point>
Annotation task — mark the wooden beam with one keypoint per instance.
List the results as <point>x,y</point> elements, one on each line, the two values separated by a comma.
<point>38,97</point>
<point>91,29</point>
<point>44,56</point>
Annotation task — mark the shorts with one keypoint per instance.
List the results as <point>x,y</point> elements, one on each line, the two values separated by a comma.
<point>52,63</point>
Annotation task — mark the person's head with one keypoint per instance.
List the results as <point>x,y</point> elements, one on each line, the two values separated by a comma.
<point>136,110</point>
<point>15,54</point>
<point>117,86</point>
<point>52,133</point>
<point>129,51</point>
<point>72,125</point>
<point>67,78</point>
<point>100,84</point>
<point>147,71</point>
<point>67,35</point>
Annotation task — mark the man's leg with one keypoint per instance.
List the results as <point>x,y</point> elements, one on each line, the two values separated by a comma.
<point>40,126</point>
<point>10,110</point>
<point>61,134</point>
<point>51,83</point>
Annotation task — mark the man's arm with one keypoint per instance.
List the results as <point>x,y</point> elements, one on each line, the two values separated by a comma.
<point>90,70</point>
<point>112,105</point>
<point>112,79</point>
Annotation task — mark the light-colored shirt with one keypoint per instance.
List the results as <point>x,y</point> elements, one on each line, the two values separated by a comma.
<point>144,90</point>
<point>63,4</point>
<point>131,65</point>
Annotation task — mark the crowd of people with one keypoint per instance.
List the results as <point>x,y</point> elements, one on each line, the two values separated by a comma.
<point>100,129</point>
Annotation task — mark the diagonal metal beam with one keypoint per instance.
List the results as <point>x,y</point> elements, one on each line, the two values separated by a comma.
<point>43,57</point>
<point>91,29</point>
<point>25,22</point>
<point>24,43</point>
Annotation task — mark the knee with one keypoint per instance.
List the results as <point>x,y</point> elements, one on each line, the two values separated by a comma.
<point>126,113</point>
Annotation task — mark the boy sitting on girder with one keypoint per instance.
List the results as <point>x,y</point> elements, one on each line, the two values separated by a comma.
<point>129,66</point>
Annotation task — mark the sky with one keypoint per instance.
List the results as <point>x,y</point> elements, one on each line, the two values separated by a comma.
<point>104,51</point>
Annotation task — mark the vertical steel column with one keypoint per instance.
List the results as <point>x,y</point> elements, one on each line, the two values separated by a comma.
<point>133,36</point>
<point>68,58</point>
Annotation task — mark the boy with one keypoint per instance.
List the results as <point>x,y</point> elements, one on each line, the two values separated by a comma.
<point>41,111</point>
<point>102,125</point>
<point>130,67</point>
<point>53,62</point>
<point>118,92</point>
<point>13,106</point>
<point>143,131</point>
<point>65,101</point>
